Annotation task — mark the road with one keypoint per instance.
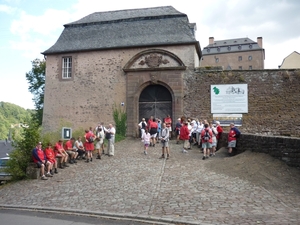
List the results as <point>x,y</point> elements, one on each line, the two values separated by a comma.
<point>24,217</point>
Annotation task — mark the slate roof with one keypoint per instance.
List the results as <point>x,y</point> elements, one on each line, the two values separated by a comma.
<point>231,45</point>
<point>126,28</point>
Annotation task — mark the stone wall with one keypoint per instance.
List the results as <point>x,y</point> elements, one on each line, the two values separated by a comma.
<point>273,98</point>
<point>283,148</point>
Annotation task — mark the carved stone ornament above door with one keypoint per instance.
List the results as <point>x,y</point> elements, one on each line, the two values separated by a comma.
<point>153,60</point>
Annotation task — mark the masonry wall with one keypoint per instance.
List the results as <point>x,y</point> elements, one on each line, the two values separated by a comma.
<point>283,148</point>
<point>273,98</point>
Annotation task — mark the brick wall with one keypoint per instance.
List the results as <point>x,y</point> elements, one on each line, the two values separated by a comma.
<point>273,98</point>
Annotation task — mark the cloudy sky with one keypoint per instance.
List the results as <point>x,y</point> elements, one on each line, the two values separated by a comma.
<point>29,27</point>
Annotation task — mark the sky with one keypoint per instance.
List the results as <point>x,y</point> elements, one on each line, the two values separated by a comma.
<point>29,27</point>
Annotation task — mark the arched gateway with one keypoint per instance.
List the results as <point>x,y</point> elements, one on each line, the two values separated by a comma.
<point>156,101</point>
<point>154,84</point>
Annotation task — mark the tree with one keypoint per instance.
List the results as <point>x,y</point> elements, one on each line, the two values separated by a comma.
<point>36,80</point>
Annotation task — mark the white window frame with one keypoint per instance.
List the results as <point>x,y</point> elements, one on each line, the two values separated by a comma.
<point>66,69</point>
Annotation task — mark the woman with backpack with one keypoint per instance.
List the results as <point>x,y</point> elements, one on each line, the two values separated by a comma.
<point>89,145</point>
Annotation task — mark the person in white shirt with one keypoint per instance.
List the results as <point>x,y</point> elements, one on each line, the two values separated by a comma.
<point>198,133</point>
<point>100,142</point>
<point>111,141</point>
<point>142,125</point>
<point>146,139</point>
<point>214,139</point>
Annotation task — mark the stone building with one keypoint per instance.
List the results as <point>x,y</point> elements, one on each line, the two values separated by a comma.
<point>133,59</point>
<point>292,61</point>
<point>234,54</point>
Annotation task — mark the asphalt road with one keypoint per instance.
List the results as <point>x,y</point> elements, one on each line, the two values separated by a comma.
<point>17,217</point>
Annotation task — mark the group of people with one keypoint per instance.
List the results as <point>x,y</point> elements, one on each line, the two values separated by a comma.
<point>73,150</point>
<point>191,131</point>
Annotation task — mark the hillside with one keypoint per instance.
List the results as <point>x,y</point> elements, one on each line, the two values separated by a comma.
<point>12,117</point>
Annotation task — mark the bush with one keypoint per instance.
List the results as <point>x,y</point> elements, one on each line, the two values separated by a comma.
<point>21,155</point>
<point>120,118</point>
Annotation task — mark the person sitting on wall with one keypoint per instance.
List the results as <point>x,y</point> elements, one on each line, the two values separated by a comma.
<point>80,149</point>
<point>61,153</point>
<point>41,161</point>
<point>71,150</point>
<point>50,155</point>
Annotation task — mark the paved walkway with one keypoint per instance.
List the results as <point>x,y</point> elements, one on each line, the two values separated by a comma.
<point>137,186</point>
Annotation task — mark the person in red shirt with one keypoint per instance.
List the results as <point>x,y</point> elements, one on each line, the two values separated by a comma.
<point>168,122</point>
<point>219,135</point>
<point>206,137</point>
<point>89,146</point>
<point>50,156</point>
<point>71,150</point>
<point>61,153</point>
<point>232,138</point>
<point>39,157</point>
<point>153,132</point>
<point>184,135</point>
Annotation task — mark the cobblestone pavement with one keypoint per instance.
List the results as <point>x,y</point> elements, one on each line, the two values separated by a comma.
<point>134,185</point>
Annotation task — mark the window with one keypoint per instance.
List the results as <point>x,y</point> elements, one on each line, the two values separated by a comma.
<point>208,50</point>
<point>250,46</point>
<point>218,49</point>
<point>250,67</point>
<point>240,58</point>
<point>240,67</point>
<point>249,57</point>
<point>240,47</point>
<point>217,60</point>
<point>229,48</point>
<point>67,68</point>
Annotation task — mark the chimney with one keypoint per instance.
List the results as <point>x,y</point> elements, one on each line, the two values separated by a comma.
<point>259,42</point>
<point>211,40</point>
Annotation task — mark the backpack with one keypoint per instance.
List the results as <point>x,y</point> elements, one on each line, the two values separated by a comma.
<point>206,135</point>
<point>91,139</point>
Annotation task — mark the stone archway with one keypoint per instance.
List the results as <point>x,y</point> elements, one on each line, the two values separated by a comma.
<point>155,100</point>
<point>158,74</point>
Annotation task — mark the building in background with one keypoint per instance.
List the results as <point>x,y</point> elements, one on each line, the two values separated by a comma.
<point>234,54</point>
<point>134,59</point>
<point>292,61</point>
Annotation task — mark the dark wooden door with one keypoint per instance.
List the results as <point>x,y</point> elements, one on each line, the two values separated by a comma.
<point>156,101</point>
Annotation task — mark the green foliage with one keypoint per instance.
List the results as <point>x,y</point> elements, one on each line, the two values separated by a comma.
<point>21,155</point>
<point>120,118</point>
<point>36,80</point>
<point>12,118</point>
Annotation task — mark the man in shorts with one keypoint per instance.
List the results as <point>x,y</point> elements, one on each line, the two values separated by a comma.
<point>206,137</point>
<point>40,159</point>
<point>164,138</point>
<point>232,136</point>
<point>71,150</point>
<point>168,122</point>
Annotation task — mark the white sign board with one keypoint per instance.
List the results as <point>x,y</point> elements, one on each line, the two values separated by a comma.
<point>66,133</point>
<point>229,98</point>
<point>227,119</point>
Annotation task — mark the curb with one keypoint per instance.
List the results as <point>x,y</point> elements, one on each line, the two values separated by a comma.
<point>114,216</point>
